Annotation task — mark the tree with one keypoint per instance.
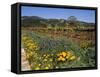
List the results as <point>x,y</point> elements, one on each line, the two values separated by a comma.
<point>72,20</point>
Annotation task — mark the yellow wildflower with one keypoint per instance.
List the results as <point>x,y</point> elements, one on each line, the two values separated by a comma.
<point>24,38</point>
<point>72,58</point>
<point>46,67</point>
<point>63,54</point>
<point>67,57</point>
<point>68,54</point>
<point>51,60</point>
<point>44,55</point>
<point>28,44</point>
<point>45,59</point>
<point>30,47</point>
<point>61,58</point>
<point>39,64</point>
<point>37,68</point>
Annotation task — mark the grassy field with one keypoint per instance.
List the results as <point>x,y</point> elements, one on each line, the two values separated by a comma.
<point>56,49</point>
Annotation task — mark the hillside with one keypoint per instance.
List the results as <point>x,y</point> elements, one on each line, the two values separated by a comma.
<point>35,21</point>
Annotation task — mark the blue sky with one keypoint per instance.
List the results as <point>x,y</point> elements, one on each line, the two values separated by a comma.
<point>82,15</point>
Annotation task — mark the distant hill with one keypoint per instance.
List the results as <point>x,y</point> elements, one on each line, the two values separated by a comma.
<point>36,21</point>
<point>30,17</point>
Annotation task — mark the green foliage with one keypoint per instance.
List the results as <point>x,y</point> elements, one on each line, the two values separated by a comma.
<point>90,56</point>
<point>45,57</point>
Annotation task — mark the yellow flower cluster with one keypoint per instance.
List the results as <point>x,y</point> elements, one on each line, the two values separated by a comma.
<point>30,44</point>
<point>47,60</point>
<point>66,55</point>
